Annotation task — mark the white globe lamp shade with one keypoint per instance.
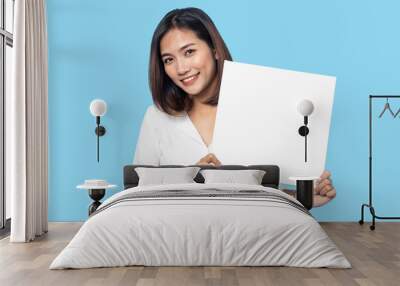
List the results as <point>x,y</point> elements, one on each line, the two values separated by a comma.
<point>305,107</point>
<point>98,107</point>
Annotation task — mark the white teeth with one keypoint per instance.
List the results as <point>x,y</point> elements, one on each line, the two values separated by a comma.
<point>189,79</point>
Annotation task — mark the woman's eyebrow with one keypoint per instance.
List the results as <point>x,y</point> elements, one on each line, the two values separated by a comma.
<point>181,48</point>
<point>186,46</point>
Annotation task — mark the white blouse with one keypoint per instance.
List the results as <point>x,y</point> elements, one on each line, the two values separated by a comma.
<point>169,140</point>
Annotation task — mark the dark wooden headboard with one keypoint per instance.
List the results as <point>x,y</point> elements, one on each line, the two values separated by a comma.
<point>270,179</point>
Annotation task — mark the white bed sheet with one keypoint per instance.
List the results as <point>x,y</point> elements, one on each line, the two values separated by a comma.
<point>200,231</point>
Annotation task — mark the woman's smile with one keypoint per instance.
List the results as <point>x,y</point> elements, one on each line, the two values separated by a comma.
<point>187,81</point>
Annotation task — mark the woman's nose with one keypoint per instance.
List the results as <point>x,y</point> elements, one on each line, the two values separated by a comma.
<point>182,67</point>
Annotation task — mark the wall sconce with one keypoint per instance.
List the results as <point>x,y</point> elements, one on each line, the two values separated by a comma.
<point>98,108</point>
<point>305,108</point>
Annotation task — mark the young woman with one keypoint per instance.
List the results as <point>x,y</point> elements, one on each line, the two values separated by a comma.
<point>186,62</point>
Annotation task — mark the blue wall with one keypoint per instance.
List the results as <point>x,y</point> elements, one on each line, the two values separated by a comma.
<point>100,49</point>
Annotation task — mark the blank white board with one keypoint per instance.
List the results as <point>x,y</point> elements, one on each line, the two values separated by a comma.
<point>257,119</point>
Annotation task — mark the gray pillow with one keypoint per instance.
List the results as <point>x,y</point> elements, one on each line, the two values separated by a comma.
<point>248,177</point>
<point>162,176</point>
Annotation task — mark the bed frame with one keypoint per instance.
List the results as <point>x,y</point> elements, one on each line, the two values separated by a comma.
<point>270,179</point>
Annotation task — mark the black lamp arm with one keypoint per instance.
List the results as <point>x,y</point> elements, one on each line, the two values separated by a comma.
<point>303,131</point>
<point>100,131</point>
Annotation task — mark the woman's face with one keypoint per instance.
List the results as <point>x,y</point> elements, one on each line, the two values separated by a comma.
<point>188,61</point>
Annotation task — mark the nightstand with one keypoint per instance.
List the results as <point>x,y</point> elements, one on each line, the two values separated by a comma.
<point>96,190</point>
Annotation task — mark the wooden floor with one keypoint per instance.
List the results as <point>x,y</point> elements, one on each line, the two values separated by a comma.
<point>374,255</point>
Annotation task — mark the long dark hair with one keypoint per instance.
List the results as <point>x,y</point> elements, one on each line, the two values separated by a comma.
<point>167,96</point>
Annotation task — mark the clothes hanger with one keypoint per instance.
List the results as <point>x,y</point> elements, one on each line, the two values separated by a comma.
<point>398,111</point>
<point>387,107</point>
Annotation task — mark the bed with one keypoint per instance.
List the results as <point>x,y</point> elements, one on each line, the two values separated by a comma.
<point>201,224</point>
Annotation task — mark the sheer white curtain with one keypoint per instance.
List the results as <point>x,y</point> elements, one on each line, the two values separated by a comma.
<point>27,127</point>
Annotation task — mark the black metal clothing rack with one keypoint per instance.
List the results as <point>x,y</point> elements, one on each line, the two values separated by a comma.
<point>370,205</point>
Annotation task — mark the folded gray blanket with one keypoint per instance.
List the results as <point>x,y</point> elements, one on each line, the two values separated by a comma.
<point>205,194</point>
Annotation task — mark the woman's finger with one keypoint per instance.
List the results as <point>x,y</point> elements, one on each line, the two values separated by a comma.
<point>319,190</point>
<point>331,194</point>
<point>213,159</point>
<point>324,183</point>
<point>325,190</point>
<point>320,185</point>
<point>209,159</point>
<point>325,175</point>
<point>203,161</point>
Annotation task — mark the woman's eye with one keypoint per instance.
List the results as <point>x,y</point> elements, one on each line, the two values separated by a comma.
<point>167,60</point>
<point>189,52</point>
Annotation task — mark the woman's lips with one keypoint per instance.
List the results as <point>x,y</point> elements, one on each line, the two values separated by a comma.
<point>190,80</point>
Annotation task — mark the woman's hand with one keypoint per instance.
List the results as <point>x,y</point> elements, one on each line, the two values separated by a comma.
<point>209,159</point>
<point>324,191</point>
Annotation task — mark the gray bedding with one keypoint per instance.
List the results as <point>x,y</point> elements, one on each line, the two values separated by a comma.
<point>201,224</point>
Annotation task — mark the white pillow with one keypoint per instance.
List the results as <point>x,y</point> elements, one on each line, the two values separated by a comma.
<point>248,177</point>
<point>163,176</point>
